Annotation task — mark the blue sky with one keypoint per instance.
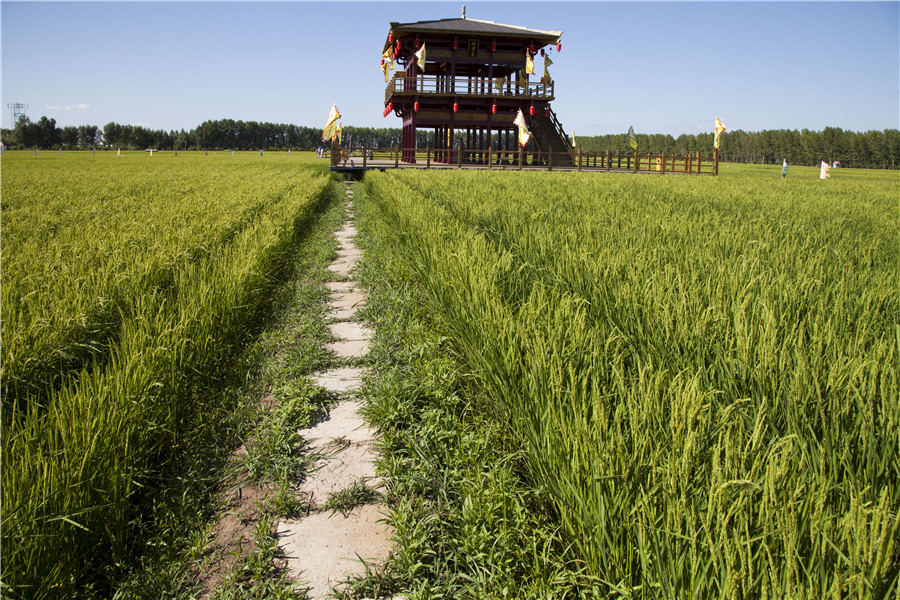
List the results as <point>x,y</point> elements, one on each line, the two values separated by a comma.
<point>664,67</point>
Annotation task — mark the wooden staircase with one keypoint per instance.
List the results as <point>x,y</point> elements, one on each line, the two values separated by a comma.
<point>549,136</point>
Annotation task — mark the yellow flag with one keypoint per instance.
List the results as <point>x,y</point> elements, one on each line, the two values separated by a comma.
<point>573,138</point>
<point>632,139</point>
<point>339,133</point>
<point>388,57</point>
<point>420,57</point>
<point>385,68</point>
<point>524,134</point>
<point>328,132</point>
<point>529,63</point>
<point>719,129</point>
<point>547,63</point>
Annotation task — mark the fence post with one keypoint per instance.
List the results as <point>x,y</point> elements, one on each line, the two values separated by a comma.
<point>663,163</point>
<point>365,152</point>
<point>698,162</point>
<point>459,152</point>
<point>427,157</point>
<point>579,159</point>
<point>396,156</point>
<point>490,157</point>
<point>521,154</point>
<point>716,161</point>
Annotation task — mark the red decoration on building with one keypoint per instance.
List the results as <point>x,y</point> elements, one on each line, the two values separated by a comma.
<point>416,106</point>
<point>558,47</point>
<point>455,44</point>
<point>531,110</point>
<point>531,48</point>
<point>493,46</point>
<point>494,109</point>
<point>546,112</point>
<point>542,52</point>
<point>455,107</point>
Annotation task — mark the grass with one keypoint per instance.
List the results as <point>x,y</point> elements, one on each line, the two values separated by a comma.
<point>356,494</point>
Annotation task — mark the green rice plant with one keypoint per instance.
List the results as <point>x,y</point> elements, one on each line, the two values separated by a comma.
<point>79,458</point>
<point>703,373</point>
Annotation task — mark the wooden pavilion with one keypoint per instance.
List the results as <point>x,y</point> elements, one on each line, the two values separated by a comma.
<point>472,86</point>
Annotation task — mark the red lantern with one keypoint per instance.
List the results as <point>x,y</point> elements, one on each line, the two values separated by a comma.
<point>531,48</point>
<point>546,112</point>
<point>399,44</point>
<point>494,109</point>
<point>455,44</point>
<point>391,38</point>
<point>493,46</point>
<point>455,107</point>
<point>558,47</point>
<point>416,106</point>
<point>417,42</point>
<point>382,62</point>
<point>531,111</point>
<point>390,106</point>
<point>396,54</point>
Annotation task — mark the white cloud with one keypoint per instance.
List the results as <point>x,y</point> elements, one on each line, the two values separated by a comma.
<point>71,107</point>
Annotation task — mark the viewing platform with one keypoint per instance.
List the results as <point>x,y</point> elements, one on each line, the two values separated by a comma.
<point>434,86</point>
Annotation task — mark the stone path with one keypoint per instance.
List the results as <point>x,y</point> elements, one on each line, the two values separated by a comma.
<point>324,548</point>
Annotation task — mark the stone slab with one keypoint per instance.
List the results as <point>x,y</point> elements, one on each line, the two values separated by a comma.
<point>349,349</point>
<point>340,286</point>
<point>350,330</point>
<point>324,549</point>
<point>340,381</point>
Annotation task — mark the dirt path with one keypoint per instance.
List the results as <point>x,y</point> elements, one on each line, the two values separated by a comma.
<point>325,547</point>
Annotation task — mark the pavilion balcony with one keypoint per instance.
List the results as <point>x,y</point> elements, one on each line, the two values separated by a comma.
<point>471,87</point>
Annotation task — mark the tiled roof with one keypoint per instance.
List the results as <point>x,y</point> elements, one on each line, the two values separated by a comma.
<point>475,26</point>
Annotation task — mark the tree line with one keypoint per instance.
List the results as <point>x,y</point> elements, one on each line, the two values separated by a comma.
<point>223,134</point>
<point>870,149</point>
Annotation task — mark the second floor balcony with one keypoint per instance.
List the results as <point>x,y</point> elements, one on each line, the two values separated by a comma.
<point>477,87</point>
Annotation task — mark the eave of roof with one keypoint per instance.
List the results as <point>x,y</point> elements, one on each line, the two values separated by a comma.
<point>473,26</point>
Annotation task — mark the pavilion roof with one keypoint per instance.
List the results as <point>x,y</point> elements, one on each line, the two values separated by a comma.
<point>476,27</point>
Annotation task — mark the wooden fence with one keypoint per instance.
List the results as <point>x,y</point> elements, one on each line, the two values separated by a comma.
<point>381,158</point>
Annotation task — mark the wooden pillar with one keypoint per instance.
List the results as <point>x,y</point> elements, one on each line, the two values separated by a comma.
<point>663,163</point>
<point>459,153</point>
<point>365,152</point>
<point>716,161</point>
<point>698,162</point>
<point>428,157</point>
<point>490,157</point>
<point>637,161</point>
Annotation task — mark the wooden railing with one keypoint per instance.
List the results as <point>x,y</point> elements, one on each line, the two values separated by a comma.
<point>484,87</point>
<point>458,157</point>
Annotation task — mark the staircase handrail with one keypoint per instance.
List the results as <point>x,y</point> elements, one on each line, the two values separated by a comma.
<point>561,131</point>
